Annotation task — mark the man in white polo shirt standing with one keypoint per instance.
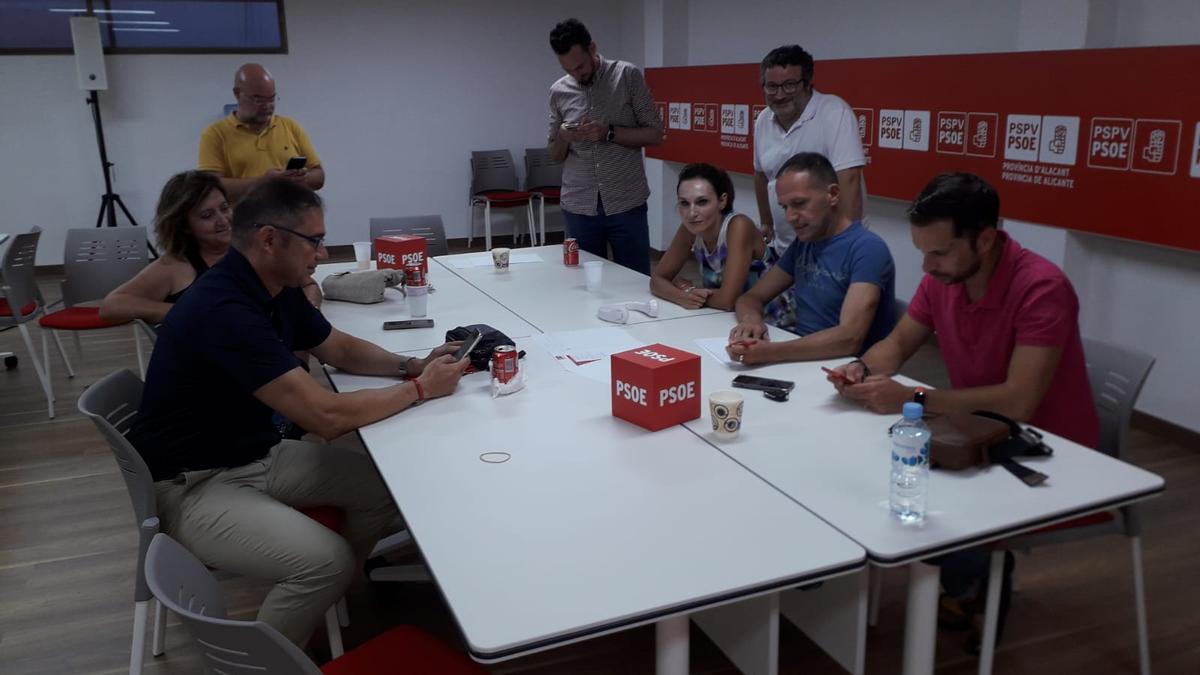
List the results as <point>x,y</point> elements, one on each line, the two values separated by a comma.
<point>798,119</point>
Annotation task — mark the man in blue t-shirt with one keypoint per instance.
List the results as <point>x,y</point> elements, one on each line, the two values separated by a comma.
<point>840,274</point>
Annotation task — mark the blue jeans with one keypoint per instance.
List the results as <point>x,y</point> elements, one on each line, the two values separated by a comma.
<point>628,233</point>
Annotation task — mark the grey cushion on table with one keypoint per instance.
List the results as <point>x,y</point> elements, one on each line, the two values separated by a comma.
<point>365,287</point>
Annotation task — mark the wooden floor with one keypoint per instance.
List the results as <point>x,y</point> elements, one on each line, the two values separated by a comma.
<point>68,544</point>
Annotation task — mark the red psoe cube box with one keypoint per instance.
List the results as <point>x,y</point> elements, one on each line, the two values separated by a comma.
<point>394,251</point>
<point>656,386</point>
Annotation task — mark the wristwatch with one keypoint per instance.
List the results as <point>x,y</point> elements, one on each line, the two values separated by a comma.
<point>612,133</point>
<point>919,395</point>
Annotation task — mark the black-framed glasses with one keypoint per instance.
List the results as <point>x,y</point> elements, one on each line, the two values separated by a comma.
<point>262,100</point>
<point>317,242</point>
<point>788,87</point>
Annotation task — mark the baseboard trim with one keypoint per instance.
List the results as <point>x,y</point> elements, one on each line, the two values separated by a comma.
<point>1168,430</point>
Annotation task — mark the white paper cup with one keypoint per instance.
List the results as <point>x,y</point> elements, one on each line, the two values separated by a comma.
<point>362,254</point>
<point>500,258</point>
<point>725,407</point>
<point>593,271</point>
<point>418,300</point>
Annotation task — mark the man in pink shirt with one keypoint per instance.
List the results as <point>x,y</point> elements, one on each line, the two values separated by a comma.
<point>1006,320</point>
<point>1007,324</point>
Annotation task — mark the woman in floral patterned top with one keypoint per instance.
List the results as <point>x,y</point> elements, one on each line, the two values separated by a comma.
<point>728,246</point>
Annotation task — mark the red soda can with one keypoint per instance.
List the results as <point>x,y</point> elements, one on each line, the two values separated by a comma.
<point>504,363</point>
<point>571,252</point>
<point>413,276</point>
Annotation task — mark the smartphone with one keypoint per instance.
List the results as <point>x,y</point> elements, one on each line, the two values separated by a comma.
<point>408,323</point>
<point>762,383</point>
<point>840,377</point>
<point>296,163</point>
<point>467,345</point>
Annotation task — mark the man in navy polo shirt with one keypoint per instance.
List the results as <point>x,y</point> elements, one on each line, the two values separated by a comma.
<point>227,486</point>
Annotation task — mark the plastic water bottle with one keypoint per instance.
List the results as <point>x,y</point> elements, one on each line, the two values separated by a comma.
<point>910,465</point>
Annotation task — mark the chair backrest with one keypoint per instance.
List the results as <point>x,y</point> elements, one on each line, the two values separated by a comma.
<point>541,171</point>
<point>19,284</point>
<point>98,259</point>
<point>492,170</point>
<point>1116,374</point>
<point>430,227</point>
<point>112,404</point>
<point>184,586</point>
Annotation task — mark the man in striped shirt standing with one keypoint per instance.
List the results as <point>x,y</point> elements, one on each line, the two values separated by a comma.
<point>601,116</point>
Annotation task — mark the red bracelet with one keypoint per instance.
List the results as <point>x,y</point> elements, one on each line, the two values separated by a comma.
<point>420,391</point>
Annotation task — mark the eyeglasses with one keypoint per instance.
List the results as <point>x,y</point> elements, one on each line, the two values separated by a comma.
<point>317,242</point>
<point>263,100</point>
<point>788,87</point>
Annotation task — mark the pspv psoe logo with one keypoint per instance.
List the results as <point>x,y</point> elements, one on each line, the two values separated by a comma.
<point>1022,137</point>
<point>1195,173</point>
<point>982,133</point>
<point>916,130</point>
<point>865,119</point>
<point>891,129</point>
<point>1156,146</point>
<point>1060,140</point>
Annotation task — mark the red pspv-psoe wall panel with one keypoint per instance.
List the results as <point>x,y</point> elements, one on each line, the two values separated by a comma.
<point>1098,140</point>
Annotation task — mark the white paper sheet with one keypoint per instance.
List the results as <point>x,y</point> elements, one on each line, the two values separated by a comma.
<point>586,352</point>
<point>467,262</point>
<point>715,346</point>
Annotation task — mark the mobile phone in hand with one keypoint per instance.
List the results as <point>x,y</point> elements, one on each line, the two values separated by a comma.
<point>408,323</point>
<point>467,345</point>
<point>835,375</point>
<point>296,163</point>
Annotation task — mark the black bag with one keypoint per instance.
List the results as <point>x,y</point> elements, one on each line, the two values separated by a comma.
<point>481,355</point>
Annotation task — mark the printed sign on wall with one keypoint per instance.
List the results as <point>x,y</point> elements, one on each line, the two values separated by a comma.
<point>1098,140</point>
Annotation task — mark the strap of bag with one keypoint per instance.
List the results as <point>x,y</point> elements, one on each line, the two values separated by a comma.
<point>1022,442</point>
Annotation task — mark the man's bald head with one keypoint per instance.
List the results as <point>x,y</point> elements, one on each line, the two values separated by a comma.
<point>251,72</point>
<point>254,89</point>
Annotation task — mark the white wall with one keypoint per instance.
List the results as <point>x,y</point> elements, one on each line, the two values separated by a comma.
<point>1131,293</point>
<point>394,95</point>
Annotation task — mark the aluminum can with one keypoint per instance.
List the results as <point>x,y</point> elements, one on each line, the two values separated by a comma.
<point>504,363</point>
<point>414,275</point>
<point>571,252</point>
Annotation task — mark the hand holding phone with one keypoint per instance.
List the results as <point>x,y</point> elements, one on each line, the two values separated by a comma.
<point>467,345</point>
<point>836,377</point>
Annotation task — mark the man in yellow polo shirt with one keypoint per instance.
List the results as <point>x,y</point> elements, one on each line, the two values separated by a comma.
<point>253,143</point>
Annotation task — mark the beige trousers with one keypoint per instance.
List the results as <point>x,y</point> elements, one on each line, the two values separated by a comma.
<point>244,520</point>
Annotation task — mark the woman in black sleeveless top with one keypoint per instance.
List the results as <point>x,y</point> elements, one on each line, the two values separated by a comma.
<point>192,224</point>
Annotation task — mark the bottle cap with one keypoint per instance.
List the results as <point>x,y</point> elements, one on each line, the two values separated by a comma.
<point>913,410</point>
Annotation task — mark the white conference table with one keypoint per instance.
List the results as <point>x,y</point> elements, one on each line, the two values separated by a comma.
<point>453,303</point>
<point>554,297</point>
<point>592,525</point>
<point>832,456</point>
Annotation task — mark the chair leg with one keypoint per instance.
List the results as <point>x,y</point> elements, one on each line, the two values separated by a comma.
<point>137,651</point>
<point>533,241</point>
<point>1139,591</point>
<point>542,220</point>
<point>487,225</point>
<point>991,618</point>
<point>471,225</point>
<point>137,345</point>
<point>63,353</point>
<point>158,646</point>
<point>876,591</point>
<point>335,632</point>
<point>343,612</point>
<point>39,366</point>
